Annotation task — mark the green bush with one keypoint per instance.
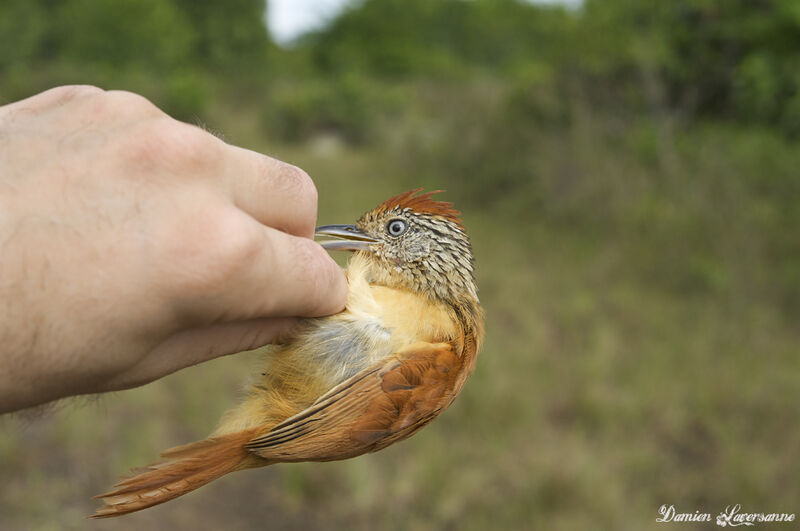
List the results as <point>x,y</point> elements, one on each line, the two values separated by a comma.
<point>148,34</point>
<point>349,106</point>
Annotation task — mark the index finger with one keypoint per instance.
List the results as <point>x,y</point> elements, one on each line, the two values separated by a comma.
<point>277,194</point>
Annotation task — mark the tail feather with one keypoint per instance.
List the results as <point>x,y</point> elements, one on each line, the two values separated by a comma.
<point>184,469</point>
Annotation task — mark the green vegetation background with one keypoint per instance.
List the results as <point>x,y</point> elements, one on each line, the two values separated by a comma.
<point>630,174</point>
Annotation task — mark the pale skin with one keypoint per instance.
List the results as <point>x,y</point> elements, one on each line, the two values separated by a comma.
<point>133,245</point>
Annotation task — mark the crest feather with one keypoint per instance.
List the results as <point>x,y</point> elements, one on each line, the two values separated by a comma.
<point>422,204</point>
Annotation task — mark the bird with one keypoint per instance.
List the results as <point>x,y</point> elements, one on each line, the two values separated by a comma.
<point>354,382</point>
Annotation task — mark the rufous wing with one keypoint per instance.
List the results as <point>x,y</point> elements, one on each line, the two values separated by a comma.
<point>371,410</point>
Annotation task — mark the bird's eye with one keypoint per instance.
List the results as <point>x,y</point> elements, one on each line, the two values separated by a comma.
<point>396,227</point>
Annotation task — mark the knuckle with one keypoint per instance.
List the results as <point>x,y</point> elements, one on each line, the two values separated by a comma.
<point>122,101</point>
<point>117,106</point>
<point>172,145</point>
<point>297,184</point>
<point>71,92</point>
<point>295,187</point>
<point>63,95</point>
<point>192,148</point>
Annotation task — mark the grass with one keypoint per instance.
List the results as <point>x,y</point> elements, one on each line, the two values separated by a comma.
<point>625,367</point>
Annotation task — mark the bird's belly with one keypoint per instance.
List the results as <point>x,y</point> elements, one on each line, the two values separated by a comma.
<point>379,322</point>
<point>325,353</point>
<point>343,345</point>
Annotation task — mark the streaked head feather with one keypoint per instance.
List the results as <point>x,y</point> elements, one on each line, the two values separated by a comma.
<point>422,204</point>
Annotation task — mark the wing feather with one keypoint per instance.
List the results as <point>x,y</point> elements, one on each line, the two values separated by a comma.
<point>371,410</point>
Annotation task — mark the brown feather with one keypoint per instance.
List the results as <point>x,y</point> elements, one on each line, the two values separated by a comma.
<point>422,204</point>
<point>369,411</point>
<point>185,468</point>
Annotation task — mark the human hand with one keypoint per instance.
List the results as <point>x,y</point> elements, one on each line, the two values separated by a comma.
<point>133,245</point>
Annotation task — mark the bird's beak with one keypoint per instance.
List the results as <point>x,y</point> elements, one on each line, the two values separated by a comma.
<point>350,238</point>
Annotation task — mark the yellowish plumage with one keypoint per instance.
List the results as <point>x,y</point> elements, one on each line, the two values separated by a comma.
<point>379,320</point>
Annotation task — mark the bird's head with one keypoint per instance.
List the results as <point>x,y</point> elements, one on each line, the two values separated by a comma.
<point>414,243</point>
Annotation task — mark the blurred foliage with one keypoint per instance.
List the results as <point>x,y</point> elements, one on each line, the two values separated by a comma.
<point>347,105</point>
<point>726,59</point>
<point>397,38</point>
<point>628,172</point>
<point>172,51</point>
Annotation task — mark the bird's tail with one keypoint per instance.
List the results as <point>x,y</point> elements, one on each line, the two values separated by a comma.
<point>182,470</point>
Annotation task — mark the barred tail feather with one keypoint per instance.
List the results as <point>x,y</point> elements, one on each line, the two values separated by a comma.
<point>183,469</point>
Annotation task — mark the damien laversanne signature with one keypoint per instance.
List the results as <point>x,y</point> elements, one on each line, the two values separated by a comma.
<point>731,516</point>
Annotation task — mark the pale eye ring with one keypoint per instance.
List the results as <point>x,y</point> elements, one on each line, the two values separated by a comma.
<point>396,227</point>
